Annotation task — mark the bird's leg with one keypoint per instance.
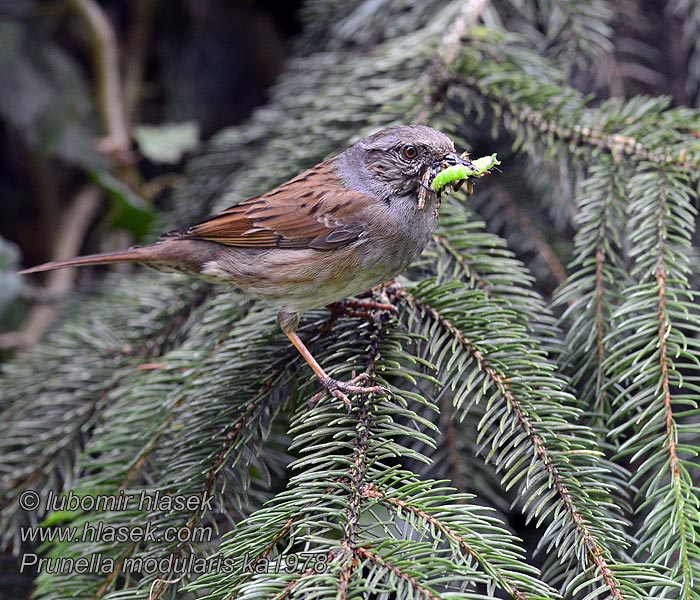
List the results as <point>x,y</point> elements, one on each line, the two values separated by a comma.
<point>339,389</point>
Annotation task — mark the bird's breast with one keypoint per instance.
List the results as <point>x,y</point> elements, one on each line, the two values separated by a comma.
<point>408,228</point>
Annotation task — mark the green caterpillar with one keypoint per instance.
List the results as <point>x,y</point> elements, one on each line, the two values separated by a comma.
<point>458,173</point>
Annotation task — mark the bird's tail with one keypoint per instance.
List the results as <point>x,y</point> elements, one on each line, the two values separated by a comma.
<point>105,258</point>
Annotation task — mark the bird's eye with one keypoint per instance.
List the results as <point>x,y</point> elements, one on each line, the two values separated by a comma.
<point>409,152</point>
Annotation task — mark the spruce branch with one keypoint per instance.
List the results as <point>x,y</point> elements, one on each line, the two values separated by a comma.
<point>453,536</point>
<point>376,559</point>
<point>463,251</point>
<point>233,437</point>
<point>543,111</point>
<point>44,427</point>
<point>595,551</point>
<point>225,453</point>
<point>360,461</point>
<point>662,335</point>
<point>655,369</point>
<point>326,507</point>
<point>548,475</point>
<point>435,78</point>
<point>593,291</point>
<point>470,273</point>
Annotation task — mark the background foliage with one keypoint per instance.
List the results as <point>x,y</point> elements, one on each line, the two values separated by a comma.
<point>543,435</point>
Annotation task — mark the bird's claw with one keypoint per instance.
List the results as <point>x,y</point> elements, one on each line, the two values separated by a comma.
<point>341,389</point>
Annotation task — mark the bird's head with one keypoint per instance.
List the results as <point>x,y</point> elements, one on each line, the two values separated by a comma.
<point>397,159</point>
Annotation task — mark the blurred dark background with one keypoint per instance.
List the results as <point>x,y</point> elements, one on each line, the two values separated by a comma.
<point>187,69</point>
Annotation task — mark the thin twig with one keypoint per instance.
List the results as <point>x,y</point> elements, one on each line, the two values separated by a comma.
<point>601,320</point>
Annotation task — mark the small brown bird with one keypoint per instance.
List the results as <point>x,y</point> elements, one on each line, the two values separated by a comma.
<point>351,222</point>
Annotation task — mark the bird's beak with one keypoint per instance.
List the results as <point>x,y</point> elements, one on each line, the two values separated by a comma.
<point>449,160</point>
<point>452,158</point>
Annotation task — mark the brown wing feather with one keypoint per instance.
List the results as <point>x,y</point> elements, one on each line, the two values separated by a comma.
<point>313,210</point>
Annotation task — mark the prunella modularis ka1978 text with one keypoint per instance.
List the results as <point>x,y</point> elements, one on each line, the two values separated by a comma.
<point>351,222</point>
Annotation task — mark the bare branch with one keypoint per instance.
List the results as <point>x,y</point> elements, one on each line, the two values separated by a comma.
<point>105,54</point>
<point>59,283</point>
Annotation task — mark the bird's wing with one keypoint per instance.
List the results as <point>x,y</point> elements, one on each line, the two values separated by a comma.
<point>313,210</point>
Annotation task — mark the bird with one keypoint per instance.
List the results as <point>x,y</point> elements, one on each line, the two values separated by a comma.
<point>339,228</point>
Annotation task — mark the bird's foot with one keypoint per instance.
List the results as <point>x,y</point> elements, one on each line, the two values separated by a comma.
<point>341,389</point>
